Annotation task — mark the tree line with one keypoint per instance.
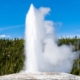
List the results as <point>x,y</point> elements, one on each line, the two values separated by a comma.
<point>12,54</point>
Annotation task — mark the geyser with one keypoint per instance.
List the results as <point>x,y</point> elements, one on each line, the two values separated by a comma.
<point>41,49</point>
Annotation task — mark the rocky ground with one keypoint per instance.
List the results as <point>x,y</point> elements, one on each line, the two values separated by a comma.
<point>40,76</point>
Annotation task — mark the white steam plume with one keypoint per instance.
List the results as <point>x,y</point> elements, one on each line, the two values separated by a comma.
<point>41,49</point>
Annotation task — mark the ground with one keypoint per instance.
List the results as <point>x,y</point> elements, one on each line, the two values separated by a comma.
<point>40,76</point>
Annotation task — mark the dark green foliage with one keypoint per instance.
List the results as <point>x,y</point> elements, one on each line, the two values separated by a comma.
<point>12,55</point>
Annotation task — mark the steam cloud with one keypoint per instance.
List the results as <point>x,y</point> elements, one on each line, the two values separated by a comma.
<point>41,49</point>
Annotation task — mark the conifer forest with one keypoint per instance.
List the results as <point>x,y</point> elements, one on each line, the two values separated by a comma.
<point>12,54</point>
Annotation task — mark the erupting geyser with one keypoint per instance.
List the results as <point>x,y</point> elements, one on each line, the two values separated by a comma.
<point>41,49</point>
<point>31,37</point>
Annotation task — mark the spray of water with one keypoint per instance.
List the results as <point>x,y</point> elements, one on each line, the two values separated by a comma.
<point>41,50</point>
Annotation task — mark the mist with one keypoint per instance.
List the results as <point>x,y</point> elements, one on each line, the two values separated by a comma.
<point>42,52</point>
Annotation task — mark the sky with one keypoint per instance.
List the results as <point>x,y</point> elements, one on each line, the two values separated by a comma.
<point>64,13</point>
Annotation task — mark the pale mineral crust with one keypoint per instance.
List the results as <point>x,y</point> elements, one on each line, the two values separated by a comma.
<point>40,76</point>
